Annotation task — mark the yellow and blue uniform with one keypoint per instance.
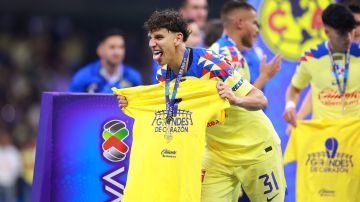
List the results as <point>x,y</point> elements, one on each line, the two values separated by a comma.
<point>226,47</point>
<point>246,138</point>
<point>328,160</point>
<point>91,79</point>
<point>315,67</point>
<point>164,171</point>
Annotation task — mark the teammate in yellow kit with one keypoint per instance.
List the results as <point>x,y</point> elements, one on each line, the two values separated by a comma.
<point>331,69</point>
<point>245,152</point>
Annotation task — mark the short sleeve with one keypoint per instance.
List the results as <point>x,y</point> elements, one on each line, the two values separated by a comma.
<point>302,76</point>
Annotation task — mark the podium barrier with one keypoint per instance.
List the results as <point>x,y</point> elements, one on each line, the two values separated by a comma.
<point>83,148</point>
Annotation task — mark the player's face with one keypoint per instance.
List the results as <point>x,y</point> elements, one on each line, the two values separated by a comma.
<point>339,42</point>
<point>196,10</point>
<point>356,32</point>
<point>195,37</point>
<point>112,50</point>
<point>251,28</point>
<point>163,44</point>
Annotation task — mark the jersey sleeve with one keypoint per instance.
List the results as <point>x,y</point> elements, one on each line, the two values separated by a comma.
<point>301,77</point>
<point>217,66</point>
<point>78,82</point>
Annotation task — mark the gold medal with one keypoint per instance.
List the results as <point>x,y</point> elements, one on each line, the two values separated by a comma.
<point>343,100</point>
<point>168,136</point>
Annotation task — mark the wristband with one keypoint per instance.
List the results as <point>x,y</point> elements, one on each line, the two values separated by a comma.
<point>290,104</point>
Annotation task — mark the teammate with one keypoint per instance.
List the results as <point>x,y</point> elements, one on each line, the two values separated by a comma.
<point>306,106</point>
<point>109,71</point>
<point>334,81</point>
<point>237,151</point>
<point>240,31</point>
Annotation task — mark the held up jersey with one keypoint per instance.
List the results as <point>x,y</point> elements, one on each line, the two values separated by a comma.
<point>328,160</point>
<point>164,171</point>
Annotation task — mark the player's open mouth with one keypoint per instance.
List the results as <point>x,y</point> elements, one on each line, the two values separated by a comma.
<point>157,54</point>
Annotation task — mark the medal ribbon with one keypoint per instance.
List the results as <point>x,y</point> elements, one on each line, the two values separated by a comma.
<point>342,88</point>
<point>170,103</point>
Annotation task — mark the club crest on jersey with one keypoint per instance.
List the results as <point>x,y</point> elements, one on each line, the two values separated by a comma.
<point>330,160</point>
<point>180,122</point>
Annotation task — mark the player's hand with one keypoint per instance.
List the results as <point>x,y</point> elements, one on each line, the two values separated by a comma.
<point>122,101</point>
<point>288,129</point>
<point>270,69</point>
<point>225,92</point>
<point>290,116</point>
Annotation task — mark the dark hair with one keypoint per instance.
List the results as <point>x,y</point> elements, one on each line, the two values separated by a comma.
<point>168,19</point>
<point>110,33</point>
<point>232,5</point>
<point>213,31</point>
<point>339,17</point>
<point>354,8</point>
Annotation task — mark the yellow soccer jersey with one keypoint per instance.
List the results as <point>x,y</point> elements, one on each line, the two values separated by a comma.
<point>242,139</point>
<point>315,67</point>
<point>164,171</point>
<point>328,160</point>
<point>227,48</point>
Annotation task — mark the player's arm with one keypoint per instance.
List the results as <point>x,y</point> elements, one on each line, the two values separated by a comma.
<point>306,107</point>
<point>292,97</point>
<point>299,81</point>
<point>254,99</point>
<point>267,70</point>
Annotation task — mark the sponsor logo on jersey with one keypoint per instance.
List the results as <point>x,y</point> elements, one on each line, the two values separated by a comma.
<point>167,153</point>
<point>331,97</point>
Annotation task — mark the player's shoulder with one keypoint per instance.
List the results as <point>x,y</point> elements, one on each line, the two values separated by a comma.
<point>315,53</point>
<point>131,70</point>
<point>205,57</point>
<point>355,49</point>
<point>88,70</point>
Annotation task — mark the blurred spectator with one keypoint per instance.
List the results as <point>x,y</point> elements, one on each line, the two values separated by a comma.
<point>212,31</point>
<point>355,9</point>
<point>196,10</point>
<point>109,71</point>
<point>10,168</point>
<point>28,159</point>
<point>194,39</point>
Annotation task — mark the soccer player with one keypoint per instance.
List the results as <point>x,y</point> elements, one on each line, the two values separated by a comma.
<point>239,147</point>
<point>109,71</point>
<point>226,145</point>
<point>331,69</point>
<point>240,31</point>
<point>306,106</point>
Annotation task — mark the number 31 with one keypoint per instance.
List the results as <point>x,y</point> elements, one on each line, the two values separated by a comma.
<point>268,183</point>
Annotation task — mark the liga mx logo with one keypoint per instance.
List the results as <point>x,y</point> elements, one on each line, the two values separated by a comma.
<point>331,145</point>
<point>292,26</point>
<point>114,147</point>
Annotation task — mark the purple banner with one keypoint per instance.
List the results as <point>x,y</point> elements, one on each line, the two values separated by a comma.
<point>83,148</point>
